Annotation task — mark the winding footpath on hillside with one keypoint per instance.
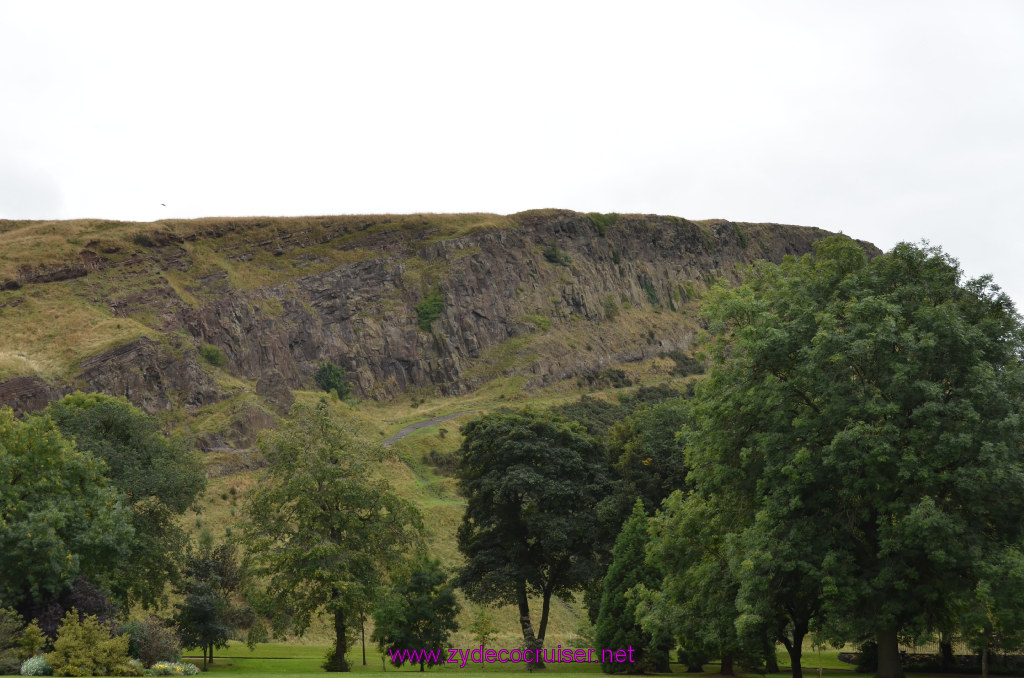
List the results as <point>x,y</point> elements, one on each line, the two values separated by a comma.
<point>423,424</point>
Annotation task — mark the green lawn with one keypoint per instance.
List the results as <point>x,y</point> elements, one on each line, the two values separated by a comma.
<point>270,660</point>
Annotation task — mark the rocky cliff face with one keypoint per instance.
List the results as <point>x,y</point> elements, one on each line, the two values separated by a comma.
<point>541,296</point>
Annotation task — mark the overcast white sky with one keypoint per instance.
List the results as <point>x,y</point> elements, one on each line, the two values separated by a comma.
<point>888,120</point>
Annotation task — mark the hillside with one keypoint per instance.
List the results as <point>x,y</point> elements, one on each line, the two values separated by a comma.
<point>217,325</point>
<point>538,297</point>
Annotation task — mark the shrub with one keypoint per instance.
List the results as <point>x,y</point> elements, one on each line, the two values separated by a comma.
<point>173,669</point>
<point>9,665</point>
<point>684,365</point>
<point>611,309</point>
<point>444,462</point>
<point>213,355</point>
<point>556,256</point>
<point>85,648</point>
<point>429,310</point>
<point>152,640</point>
<point>31,641</point>
<point>36,666</point>
<point>329,377</point>
<point>602,221</point>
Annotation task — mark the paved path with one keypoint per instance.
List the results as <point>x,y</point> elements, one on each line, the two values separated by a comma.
<point>423,424</point>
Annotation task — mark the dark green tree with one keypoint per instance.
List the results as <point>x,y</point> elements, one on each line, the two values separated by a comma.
<point>157,476</point>
<point>322,528</point>
<point>647,456</point>
<point>533,524</point>
<point>419,611</point>
<point>211,575</point>
<point>617,625</point>
<point>60,518</point>
<point>863,416</point>
<point>331,378</point>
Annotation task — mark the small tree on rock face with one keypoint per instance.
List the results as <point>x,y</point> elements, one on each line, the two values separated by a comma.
<point>331,378</point>
<point>321,532</point>
<point>419,612</point>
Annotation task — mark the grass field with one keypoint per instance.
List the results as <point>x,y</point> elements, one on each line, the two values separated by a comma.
<point>279,659</point>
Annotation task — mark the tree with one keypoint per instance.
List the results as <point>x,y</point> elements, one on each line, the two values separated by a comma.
<point>864,416</point>
<point>532,524</point>
<point>321,531</point>
<point>331,378</point>
<point>418,612</point>
<point>157,476</point>
<point>646,453</point>
<point>205,614</point>
<point>60,518</point>
<point>696,598</point>
<point>617,625</point>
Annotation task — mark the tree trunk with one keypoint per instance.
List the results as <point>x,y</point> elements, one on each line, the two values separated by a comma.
<point>529,639</point>
<point>545,609</point>
<point>211,653</point>
<point>795,648</point>
<point>771,662</point>
<point>727,669</point>
<point>362,636</point>
<point>984,662</point>
<point>339,662</point>
<point>946,652</point>
<point>888,655</point>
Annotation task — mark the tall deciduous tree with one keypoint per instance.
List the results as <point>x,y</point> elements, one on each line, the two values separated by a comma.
<point>417,612</point>
<point>321,531</point>
<point>60,518</point>
<point>617,623</point>
<point>865,417</point>
<point>532,526</point>
<point>158,477</point>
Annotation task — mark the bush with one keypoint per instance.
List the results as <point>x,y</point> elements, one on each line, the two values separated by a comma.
<point>173,669</point>
<point>85,648</point>
<point>213,355</point>
<point>9,665</point>
<point>36,666</point>
<point>429,310</point>
<point>329,377</point>
<point>556,256</point>
<point>31,641</point>
<point>444,462</point>
<point>152,640</point>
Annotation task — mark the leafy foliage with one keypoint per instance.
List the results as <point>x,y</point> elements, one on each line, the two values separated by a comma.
<point>36,666</point>
<point>213,355</point>
<point>61,517</point>
<point>321,531</point>
<point>151,640</point>
<point>331,378</point>
<point>429,310</point>
<point>159,479</point>
<point>648,457</point>
<point>617,624</point>
<point>556,256</point>
<point>84,648</point>
<point>862,425</point>
<point>418,612</point>
<point>204,616</point>
<point>532,483</point>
